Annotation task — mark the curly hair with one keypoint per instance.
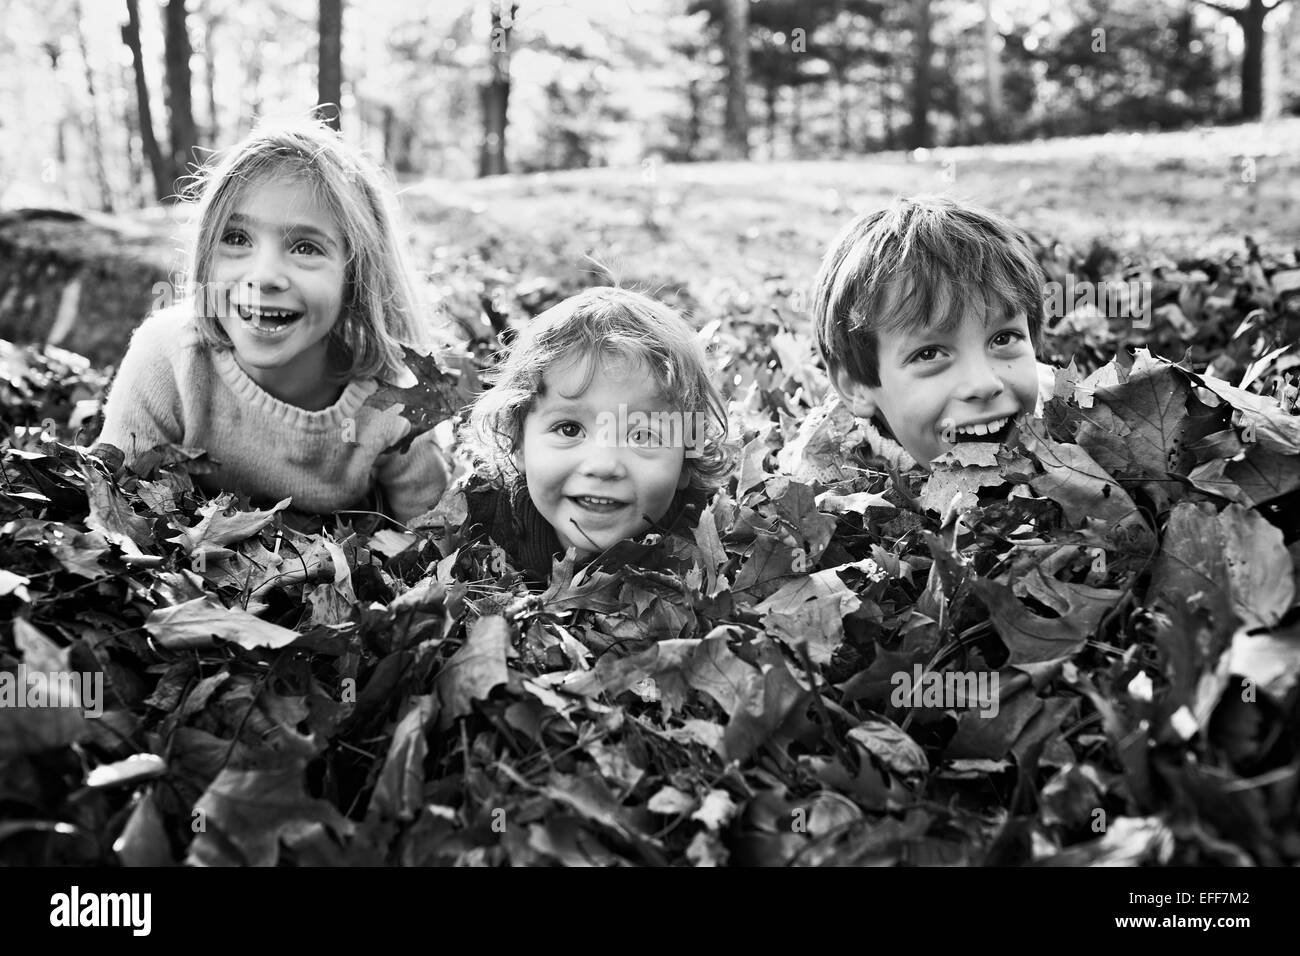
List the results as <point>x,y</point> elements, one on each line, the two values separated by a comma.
<point>610,324</point>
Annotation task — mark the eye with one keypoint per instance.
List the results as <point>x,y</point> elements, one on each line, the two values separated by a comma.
<point>917,356</point>
<point>567,429</point>
<point>643,438</point>
<point>1016,336</point>
<point>234,237</point>
<point>305,247</point>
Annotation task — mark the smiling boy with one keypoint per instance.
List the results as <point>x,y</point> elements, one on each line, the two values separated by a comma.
<point>928,314</point>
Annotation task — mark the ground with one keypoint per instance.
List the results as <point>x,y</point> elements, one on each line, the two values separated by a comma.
<point>689,231</point>
<point>1181,193</point>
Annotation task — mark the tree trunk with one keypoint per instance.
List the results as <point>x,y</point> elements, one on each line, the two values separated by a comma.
<point>96,134</point>
<point>919,133</point>
<point>694,123</point>
<point>735,49</point>
<point>495,94</point>
<point>329,76</point>
<point>387,118</point>
<point>210,77</point>
<point>398,140</point>
<point>958,105</point>
<point>139,194</point>
<point>796,121</point>
<point>770,98</point>
<point>1252,58</point>
<point>180,109</point>
<point>887,105</point>
<point>1251,20</point>
<point>992,77</point>
<point>60,130</point>
<point>253,85</point>
<point>158,165</point>
<point>842,108</point>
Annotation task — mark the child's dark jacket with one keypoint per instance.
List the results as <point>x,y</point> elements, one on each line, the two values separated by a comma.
<point>503,512</point>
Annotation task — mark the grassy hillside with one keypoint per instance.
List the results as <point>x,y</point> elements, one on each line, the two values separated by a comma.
<point>719,237</point>
<point>696,225</point>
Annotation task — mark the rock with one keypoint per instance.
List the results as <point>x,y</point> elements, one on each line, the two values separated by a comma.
<point>80,281</point>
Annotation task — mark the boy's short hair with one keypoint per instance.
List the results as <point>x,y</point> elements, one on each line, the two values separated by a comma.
<point>918,263</point>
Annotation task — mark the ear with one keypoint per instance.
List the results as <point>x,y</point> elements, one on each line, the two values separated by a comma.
<point>684,478</point>
<point>860,399</point>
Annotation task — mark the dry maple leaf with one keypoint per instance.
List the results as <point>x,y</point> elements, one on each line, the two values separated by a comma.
<point>433,398</point>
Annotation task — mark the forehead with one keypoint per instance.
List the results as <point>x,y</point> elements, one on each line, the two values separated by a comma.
<point>974,319</point>
<point>590,380</point>
<point>283,202</point>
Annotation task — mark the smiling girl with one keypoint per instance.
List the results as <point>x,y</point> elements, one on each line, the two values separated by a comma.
<point>298,307</point>
<point>603,423</point>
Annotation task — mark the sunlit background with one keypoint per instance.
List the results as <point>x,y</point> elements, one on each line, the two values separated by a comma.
<point>609,83</point>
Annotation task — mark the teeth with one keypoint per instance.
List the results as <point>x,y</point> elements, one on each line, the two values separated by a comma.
<point>985,429</point>
<point>598,501</point>
<point>267,313</point>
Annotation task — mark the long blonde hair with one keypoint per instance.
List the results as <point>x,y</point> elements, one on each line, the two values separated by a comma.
<point>380,313</point>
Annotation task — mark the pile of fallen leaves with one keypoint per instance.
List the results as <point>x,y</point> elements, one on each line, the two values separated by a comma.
<point>1111,596</point>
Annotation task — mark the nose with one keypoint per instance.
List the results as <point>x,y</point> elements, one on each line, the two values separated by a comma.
<point>980,382</point>
<point>266,270</point>
<point>603,460</point>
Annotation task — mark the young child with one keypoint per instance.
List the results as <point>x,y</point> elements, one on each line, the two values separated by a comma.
<point>299,304</point>
<point>928,315</point>
<point>603,422</point>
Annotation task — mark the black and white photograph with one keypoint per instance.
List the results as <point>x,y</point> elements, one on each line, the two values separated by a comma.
<point>651,434</point>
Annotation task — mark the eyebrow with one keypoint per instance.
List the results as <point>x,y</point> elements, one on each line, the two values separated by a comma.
<point>292,228</point>
<point>563,406</point>
<point>912,339</point>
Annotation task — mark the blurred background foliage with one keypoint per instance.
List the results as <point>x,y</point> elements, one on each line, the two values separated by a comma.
<point>102,104</point>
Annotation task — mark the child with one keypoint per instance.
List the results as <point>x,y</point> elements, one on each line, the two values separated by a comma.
<point>603,422</point>
<point>299,303</point>
<point>928,315</point>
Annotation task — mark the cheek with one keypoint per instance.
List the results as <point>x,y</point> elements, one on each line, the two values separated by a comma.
<point>1026,382</point>
<point>667,475</point>
<point>915,416</point>
<point>330,296</point>
<point>545,468</point>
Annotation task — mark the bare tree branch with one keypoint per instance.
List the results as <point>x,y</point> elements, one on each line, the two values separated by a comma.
<point>1234,12</point>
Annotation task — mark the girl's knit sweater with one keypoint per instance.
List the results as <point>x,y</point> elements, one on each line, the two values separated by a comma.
<point>171,387</point>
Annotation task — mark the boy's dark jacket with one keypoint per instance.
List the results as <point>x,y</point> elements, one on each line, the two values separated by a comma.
<point>504,512</point>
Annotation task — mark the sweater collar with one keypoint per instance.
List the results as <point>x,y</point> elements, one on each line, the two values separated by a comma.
<point>347,406</point>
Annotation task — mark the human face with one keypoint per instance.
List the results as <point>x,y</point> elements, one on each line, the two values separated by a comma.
<point>281,256</point>
<point>593,483</point>
<point>934,386</point>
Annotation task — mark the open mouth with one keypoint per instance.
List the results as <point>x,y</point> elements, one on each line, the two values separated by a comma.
<point>598,505</point>
<point>268,321</point>
<point>995,431</point>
